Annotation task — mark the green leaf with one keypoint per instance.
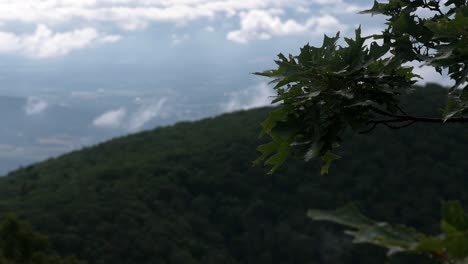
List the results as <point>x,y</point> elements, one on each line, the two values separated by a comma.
<point>377,8</point>
<point>266,150</point>
<point>457,246</point>
<point>365,230</point>
<point>327,160</point>
<point>447,228</point>
<point>453,108</point>
<point>330,42</point>
<point>348,215</point>
<point>275,152</point>
<point>376,51</point>
<point>453,243</point>
<point>457,3</point>
<point>454,215</point>
<point>431,245</point>
<point>269,73</point>
<point>274,117</point>
<point>278,159</point>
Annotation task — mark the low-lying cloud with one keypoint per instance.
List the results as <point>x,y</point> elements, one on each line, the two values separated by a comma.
<point>111,119</point>
<point>253,97</point>
<point>145,114</point>
<point>35,106</point>
<point>131,121</point>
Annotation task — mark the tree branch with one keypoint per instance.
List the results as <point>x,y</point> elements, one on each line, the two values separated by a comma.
<point>382,112</point>
<point>399,119</point>
<point>405,117</point>
<point>394,121</point>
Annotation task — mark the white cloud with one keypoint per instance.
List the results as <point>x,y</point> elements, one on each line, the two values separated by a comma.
<point>255,96</point>
<point>44,43</point>
<point>339,7</point>
<point>326,24</point>
<point>35,106</point>
<point>264,24</point>
<point>111,119</point>
<point>145,114</point>
<point>134,120</point>
<point>259,19</point>
<point>133,24</point>
<point>327,2</point>
<point>129,11</point>
<point>429,75</point>
<point>137,14</point>
<point>110,39</point>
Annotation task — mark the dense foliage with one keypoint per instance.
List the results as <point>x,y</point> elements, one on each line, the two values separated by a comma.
<point>325,91</point>
<point>19,244</point>
<point>189,193</point>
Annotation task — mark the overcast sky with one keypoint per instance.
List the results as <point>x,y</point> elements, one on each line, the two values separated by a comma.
<point>51,28</point>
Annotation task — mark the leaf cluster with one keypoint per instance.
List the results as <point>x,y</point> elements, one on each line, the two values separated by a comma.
<point>439,40</point>
<point>327,90</point>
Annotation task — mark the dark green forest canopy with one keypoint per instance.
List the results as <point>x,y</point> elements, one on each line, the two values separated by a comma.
<point>20,244</point>
<point>189,193</point>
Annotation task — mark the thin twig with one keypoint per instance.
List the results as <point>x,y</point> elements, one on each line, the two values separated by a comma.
<point>403,118</point>
<point>407,125</point>
<point>401,110</point>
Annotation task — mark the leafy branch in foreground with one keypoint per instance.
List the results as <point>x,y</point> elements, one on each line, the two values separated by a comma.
<point>449,247</point>
<point>397,121</point>
<point>327,90</point>
<point>324,90</point>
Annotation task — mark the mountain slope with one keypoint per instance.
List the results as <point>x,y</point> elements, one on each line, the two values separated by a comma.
<point>188,193</point>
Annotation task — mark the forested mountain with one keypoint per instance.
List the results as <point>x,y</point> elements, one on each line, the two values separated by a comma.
<point>189,193</point>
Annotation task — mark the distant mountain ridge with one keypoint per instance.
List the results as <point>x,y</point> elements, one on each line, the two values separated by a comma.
<point>188,193</point>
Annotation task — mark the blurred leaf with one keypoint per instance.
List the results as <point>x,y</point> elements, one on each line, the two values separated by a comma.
<point>452,244</point>
<point>454,215</point>
<point>327,160</point>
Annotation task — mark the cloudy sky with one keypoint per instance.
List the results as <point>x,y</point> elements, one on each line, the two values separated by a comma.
<point>76,72</point>
<point>52,28</point>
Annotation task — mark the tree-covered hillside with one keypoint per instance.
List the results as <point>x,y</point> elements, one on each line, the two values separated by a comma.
<point>189,193</point>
